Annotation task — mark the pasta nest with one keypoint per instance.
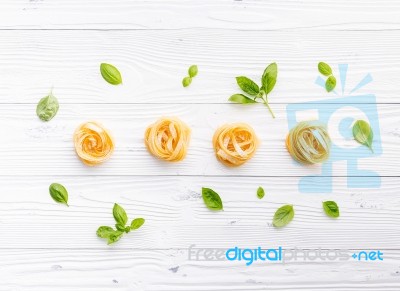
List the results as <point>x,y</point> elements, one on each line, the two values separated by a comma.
<point>235,143</point>
<point>168,139</point>
<point>309,142</point>
<point>93,143</point>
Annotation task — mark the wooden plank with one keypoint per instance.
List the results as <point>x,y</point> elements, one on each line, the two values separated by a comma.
<point>32,147</point>
<point>176,216</point>
<point>170,270</point>
<point>159,14</point>
<point>46,246</point>
<point>153,64</point>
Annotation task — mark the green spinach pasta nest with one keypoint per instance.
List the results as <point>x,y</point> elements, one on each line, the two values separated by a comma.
<point>309,142</point>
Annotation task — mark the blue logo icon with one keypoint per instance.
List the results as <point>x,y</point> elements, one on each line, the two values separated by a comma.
<point>339,114</point>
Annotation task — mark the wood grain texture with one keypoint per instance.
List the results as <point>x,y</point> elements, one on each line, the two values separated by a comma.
<point>176,216</point>
<point>169,270</point>
<point>36,148</point>
<point>160,14</point>
<point>153,64</point>
<point>60,44</point>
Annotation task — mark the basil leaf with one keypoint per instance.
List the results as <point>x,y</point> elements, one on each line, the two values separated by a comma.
<point>110,74</point>
<point>331,208</point>
<point>260,192</point>
<point>283,216</point>
<point>324,69</point>
<point>247,85</point>
<point>114,237</point>
<point>363,134</point>
<point>136,223</point>
<point>47,107</point>
<point>193,71</point>
<point>59,193</point>
<point>269,77</point>
<point>120,215</point>
<point>104,231</point>
<point>121,218</point>
<point>330,83</point>
<point>186,81</point>
<point>242,99</point>
<point>120,227</point>
<point>109,233</point>
<point>211,199</point>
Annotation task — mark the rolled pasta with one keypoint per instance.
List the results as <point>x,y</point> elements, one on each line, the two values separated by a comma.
<point>93,143</point>
<point>309,142</point>
<point>235,144</point>
<point>168,139</point>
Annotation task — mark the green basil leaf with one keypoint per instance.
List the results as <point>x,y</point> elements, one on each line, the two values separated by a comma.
<point>324,69</point>
<point>47,107</point>
<point>260,193</point>
<point>269,77</point>
<point>330,83</point>
<point>242,99</point>
<point>186,81</point>
<point>110,74</point>
<point>331,208</point>
<point>283,216</point>
<point>120,227</point>
<point>211,199</point>
<point>114,237</point>
<point>137,222</point>
<point>247,85</point>
<point>59,193</point>
<point>120,215</point>
<point>109,233</point>
<point>363,134</point>
<point>193,71</point>
<point>104,231</point>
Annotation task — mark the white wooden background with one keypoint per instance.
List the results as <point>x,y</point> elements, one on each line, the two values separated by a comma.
<point>60,43</point>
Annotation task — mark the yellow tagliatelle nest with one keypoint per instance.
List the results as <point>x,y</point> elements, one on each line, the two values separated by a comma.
<point>93,143</point>
<point>168,139</point>
<point>234,144</point>
<point>309,142</point>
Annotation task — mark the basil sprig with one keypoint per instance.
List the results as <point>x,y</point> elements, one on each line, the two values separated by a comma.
<point>192,71</point>
<point>59,193</point>
<point>47,107</point>
<point>121,218</point>
<point>248,86</point>
<point>326,70</point>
